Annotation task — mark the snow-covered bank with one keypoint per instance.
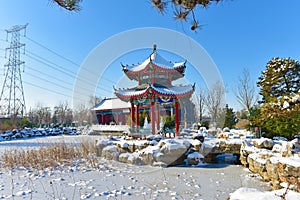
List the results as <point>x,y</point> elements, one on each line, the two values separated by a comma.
<point>115,180</point>
<point>276,161</point>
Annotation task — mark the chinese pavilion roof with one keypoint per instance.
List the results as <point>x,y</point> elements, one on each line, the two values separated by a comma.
<point>155,62</point>
<point>111,104</point>
<point>157,89</point>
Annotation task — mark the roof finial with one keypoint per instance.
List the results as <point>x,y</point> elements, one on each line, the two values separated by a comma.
<point>154,48</point>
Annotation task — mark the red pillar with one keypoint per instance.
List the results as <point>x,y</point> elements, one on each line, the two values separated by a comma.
<point>102,119</point>
<point>152,118</point>
<point>157,117</point>
<point>137,116</point>
<point>132,115</point>
<point>176,118</point>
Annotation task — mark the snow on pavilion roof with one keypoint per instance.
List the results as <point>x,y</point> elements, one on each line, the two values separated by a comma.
<point>157,60</point>
<point>160,90</point>
<point>111,104</point>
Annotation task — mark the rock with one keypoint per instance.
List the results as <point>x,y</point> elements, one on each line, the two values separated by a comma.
<point>147,155</point>
<point>122,149</point>
<point>194,158</point>
<point>131,148</point>
<point>123,157</point>
<point>196,144</point>
<point>272,173</point>
<point>130,158</point>
<point>246,149</point>
<point>172,153</point>
<point>101,144</point>
<point>257,165</point>
<point>263,143</point>
<point>289,171</point>
<point>110,153</point>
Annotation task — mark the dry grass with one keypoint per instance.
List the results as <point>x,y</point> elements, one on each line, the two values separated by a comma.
<point>50,156</point>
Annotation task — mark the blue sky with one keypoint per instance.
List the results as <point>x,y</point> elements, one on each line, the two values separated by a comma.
<point>236,34</point>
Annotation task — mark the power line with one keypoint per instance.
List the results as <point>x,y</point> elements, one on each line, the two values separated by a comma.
<point>64,72</point>
<point>69,60</point>
<point>49,81</point>
<point>47,89</point>
<point>53,77</point>
<point>52,91</point>
<point>39,44</point>
<point>60,67</point>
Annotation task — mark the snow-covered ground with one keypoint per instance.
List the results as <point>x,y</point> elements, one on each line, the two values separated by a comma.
<point>114,180</point>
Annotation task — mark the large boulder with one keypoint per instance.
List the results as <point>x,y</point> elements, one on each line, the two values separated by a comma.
<point>172,152</point>
<point>130,158</point>
<point>148,154</point>
<point>289,171</point>
<point>246,149</point>
<point>257,164</point>
<point>101,144</point>
<point>110,152</point>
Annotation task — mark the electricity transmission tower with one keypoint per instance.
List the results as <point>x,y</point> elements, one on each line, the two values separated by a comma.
<point>12,101</point>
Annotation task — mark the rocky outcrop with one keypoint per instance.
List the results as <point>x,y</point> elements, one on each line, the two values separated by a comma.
<point>227,146</point>
<point>279,165</point>
<point>273,161</point>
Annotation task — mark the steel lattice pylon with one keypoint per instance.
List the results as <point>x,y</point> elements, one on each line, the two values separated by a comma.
<point>12,101</point>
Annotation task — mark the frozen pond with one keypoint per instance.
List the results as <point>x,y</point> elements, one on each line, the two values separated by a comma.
<point>114,180</point>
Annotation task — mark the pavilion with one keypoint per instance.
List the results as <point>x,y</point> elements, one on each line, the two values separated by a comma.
<point>155,91</point>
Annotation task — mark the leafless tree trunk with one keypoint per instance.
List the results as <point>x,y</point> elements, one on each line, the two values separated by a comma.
<point>62,112</point>
<point>215,101</point>
<point>43,114</point>
<point>245,92</point>
<point>201,102</point>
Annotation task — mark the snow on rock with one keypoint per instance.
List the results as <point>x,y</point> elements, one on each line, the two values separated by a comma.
<point>172,152</point>
<point>130,158</point>
<point>263,143</point>
<point>195,158</point>
<point>100,144</point>
<point>255,194</point>
<point>154,137</point>
<point>147,154</point>
<point>110,152</point>
<point>292,161</point>
<point>278,165</point>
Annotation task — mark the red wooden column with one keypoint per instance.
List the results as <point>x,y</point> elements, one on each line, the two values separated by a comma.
<point>132,115</point>
<point>152,118</point>
<point>157,117</point>
<point>137,116</point>
<point>176,118</point>
<point>102,119</point>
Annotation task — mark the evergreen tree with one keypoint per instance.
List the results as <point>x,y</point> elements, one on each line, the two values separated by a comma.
<point>183,9</point>
<point>281,78</point>
<point>230,117</point>
<point>280,89</point>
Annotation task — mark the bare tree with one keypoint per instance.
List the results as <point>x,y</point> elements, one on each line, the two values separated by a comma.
<point>83,113</point>
<point>201,103</point>
<point>245,91</point>
<point>43,114</point>
<point>215,102</point>
<point>62,113</point>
